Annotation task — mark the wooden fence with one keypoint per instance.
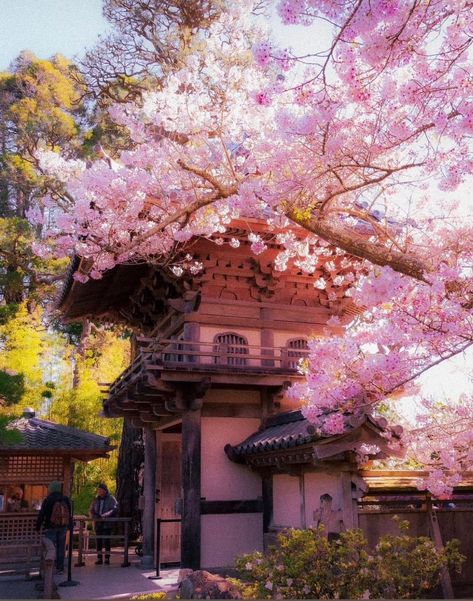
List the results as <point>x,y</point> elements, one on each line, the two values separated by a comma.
<point>439,520</point>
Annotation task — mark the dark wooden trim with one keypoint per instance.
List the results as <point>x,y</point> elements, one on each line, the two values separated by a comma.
<point>267,485</point>
<point>149,492</point>
<point>251,322</point>
<point>248,379</point>
<point>267,342</point>
<point>233,506</point>
<point>191,488</point>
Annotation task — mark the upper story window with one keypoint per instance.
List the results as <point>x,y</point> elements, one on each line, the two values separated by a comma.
<point>230,349</point>
<point>297,348</point>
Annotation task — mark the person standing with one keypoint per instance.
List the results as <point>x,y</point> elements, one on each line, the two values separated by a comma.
<point>103,506</point>
<point>55,516</point>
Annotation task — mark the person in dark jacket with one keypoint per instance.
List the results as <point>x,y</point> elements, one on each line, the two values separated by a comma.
<point>55,521</point>
<point>103,506</point>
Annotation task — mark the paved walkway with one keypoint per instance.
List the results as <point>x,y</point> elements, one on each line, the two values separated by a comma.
<point>98,582</point>
<point>115,582</point>
<point>17,589</point>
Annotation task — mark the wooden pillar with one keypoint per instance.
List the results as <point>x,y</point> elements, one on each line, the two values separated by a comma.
<point>149,491</point>
<point>347,500</point>
<point>267,342</point>
<point>67,470</point>
<point>267,485</point>
<point>192,334</point>
<point>191,466</point>
<point>302,500</point>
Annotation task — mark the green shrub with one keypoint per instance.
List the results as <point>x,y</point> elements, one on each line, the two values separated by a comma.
<point>149,596</point>
<point>305,565</point>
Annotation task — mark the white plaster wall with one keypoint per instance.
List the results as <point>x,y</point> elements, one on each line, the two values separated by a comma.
<point>317,484</point>
<point>222,479</point>
<point>226,536</point>
<point>286,501</point>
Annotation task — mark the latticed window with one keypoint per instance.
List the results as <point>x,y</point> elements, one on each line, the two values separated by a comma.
<point>297,348</point>
<point>30,468</point>
<point>229,348</point>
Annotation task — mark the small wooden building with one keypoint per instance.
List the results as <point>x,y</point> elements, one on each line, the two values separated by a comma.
<point>218,351</point>
<point>46,452</point>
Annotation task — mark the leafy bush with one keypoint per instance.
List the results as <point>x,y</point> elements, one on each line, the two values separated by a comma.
<point>159,596</point>
<point>305,565</point>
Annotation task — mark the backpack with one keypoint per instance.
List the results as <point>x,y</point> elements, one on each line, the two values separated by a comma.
<point>59,515</point>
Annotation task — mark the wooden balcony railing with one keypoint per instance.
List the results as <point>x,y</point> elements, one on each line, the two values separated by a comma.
<point>176,354</point>
<point>182,352</point>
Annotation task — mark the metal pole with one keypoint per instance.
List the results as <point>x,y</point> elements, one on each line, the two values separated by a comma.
<point>125,563</point>
<point>158,550</point>
<point>69,581</point>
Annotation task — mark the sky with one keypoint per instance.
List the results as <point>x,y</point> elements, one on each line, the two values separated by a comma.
<point>47,27</point>
<point>68,27</point>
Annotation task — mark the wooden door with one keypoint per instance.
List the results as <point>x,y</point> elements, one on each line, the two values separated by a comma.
<point>169,486</point>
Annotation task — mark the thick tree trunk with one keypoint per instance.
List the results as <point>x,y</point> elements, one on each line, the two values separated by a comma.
<point>130,475</point>
<point>359,246</point>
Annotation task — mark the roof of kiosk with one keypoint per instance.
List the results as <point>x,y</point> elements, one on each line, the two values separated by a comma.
<point>41,436</point>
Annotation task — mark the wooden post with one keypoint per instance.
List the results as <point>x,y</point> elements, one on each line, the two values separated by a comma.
<point>191,460</point>
<point>267,340</point>
<point>48,553</point>
<point>67,476</point>
<point>347,500</point>
<point>149,488</point>
<point>192,334</point>
<point>445,580</point>
<point>302,500</point>
<point>126,535</point>
<point>267,483</point>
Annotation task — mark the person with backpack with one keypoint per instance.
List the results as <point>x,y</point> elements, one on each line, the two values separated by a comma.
<point>55,516</point>
<point>103,506</point>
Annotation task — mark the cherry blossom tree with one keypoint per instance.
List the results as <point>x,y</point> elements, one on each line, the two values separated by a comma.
<point>364,145</point>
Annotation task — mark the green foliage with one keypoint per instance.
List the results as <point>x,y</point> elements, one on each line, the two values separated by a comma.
<point>7,312</point>
<point>40,108</point>
<point>22,273</point>
<point>12,387</point>
<point>23,341</point>
<point>77,402</point>
<point>8,435</point>
<point>305,565</point>
<point>40,103</point>
<point>83,497</point>
<point>158,596</point>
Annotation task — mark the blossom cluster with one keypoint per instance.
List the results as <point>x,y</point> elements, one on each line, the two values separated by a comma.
<point>366,146</point>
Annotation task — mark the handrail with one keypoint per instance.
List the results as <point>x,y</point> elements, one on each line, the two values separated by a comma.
<point>167,341</point>
<point>82,519</point>
<point>181,353</point>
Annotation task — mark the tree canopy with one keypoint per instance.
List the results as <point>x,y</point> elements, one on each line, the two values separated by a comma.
<point>364,144</point>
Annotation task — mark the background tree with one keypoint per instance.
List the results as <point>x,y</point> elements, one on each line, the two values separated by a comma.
<point>148,39</point>
<point>41,106</point>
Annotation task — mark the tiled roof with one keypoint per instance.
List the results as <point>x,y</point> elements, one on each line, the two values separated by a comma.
<point>38,434</point>
<point>292,429</point>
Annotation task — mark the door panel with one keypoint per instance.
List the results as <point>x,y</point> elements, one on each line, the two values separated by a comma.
<point>169,479</point>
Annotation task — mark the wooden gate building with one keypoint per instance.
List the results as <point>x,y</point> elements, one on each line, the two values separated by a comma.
<point>217,352</point>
